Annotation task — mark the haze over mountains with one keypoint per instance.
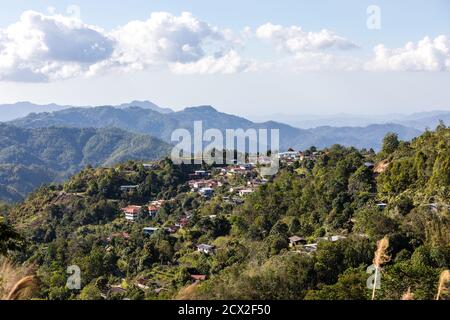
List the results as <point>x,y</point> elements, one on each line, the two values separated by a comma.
<point>420,120</point>
<point>13,111</point>
<point>44,147</point>
<point>31,157</point>
<point>161,125</point>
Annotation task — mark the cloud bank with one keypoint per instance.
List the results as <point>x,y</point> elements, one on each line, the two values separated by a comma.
<point>42,47</point>
<point>426,55</point>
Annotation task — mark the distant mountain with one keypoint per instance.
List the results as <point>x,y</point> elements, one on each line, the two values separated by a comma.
<point>425,120</point>
<point>146,121</point>
<point>9,112</point>
<point>145,105</point>
<point>31,157</point>
<point>17,110</point>
<point>419,121</point>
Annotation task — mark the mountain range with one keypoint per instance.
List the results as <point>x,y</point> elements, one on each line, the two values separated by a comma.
<point>44,147</point>
<point>32,157</point>
<point>420,120</point>
<point>13,111</point>
<point>161,125</point>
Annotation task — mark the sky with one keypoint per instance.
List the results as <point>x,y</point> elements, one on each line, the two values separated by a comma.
<point>243,57</point>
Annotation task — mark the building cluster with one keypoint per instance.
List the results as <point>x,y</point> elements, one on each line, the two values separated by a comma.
<point>290,157</point>
<point>302,245</point>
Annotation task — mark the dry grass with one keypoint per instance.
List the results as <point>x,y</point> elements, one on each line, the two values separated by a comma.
<point>24,289</point>
<point>408,295</point>
<point>188,293</point>
<point>444,279</point>
<point>381,166</point>
<point>16,283</point>
<point>381,257</point>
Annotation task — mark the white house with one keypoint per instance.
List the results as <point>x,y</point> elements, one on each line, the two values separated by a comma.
<point>132,213</point>
<point>128,188</point>
<point>206,248</point>
<point>245,192</point>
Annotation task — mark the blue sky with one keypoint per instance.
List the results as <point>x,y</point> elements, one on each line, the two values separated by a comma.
<point>249,57</point>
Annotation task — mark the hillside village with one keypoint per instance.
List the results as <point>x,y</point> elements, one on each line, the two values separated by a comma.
<point>162,231</point>
<point>232,184</point>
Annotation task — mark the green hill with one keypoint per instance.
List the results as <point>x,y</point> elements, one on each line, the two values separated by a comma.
<point>160,125</point>
<point>32,157</point>
<point>337,202</point>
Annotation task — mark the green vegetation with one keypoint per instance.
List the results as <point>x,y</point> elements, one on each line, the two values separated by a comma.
<point>30,158</point>
<point>339,200</point>
<point>161,125</point>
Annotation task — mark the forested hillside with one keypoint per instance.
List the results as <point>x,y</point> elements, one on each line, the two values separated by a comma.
<point>310,232</point>
<point>32,157</point>
<point>146,121</point>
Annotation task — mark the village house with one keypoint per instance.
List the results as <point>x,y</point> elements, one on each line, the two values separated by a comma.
<point>206,192</point>
<point>206,248</point>
<point>289,155</point>
<point>246,166</point>
<point>369,165</point>
<point>123,235</point>
<point>116,289</point>
<point>296,241</point>
<point>150,166</point>
<point>150,230</point>
<point>143,283</point>
<point>309,248</point>
<point>245,192</point>
<point>172,229</point>
<point>256,182</point>
<point>132,213</point>
<point>158,203</point>
<point>183,222</point>
<point>154,207</point>
<point>128,188</point>
<point>152,210</point>
<point>264,160</point>
<point>382,205</point>
<point>196,185</point>
<point>236,170</point>
<point>199,174</point>
<point>331,238</point>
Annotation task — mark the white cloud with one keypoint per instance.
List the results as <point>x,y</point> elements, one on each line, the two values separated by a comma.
<point>163,38</point>
<point>427,55</point>
<point>46,47</point>
<point>183,43</point>
<point>309,51</point>
<point>40,47</point>
<point>43,47</point>
<point>294,40</point>
<point>228,63</point>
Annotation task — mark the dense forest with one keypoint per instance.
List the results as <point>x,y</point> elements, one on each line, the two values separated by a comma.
<point>32,157</point>
<point>310,232</point>
<point>161,125</point>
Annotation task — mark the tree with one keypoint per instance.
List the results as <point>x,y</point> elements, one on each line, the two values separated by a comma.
<point>351,285</point>
<point>90,292</point>
<point>10,240</point>
<point>294,226</point>
<point>360,182</point>
<point>390,143</point>
<point>276,243</point>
